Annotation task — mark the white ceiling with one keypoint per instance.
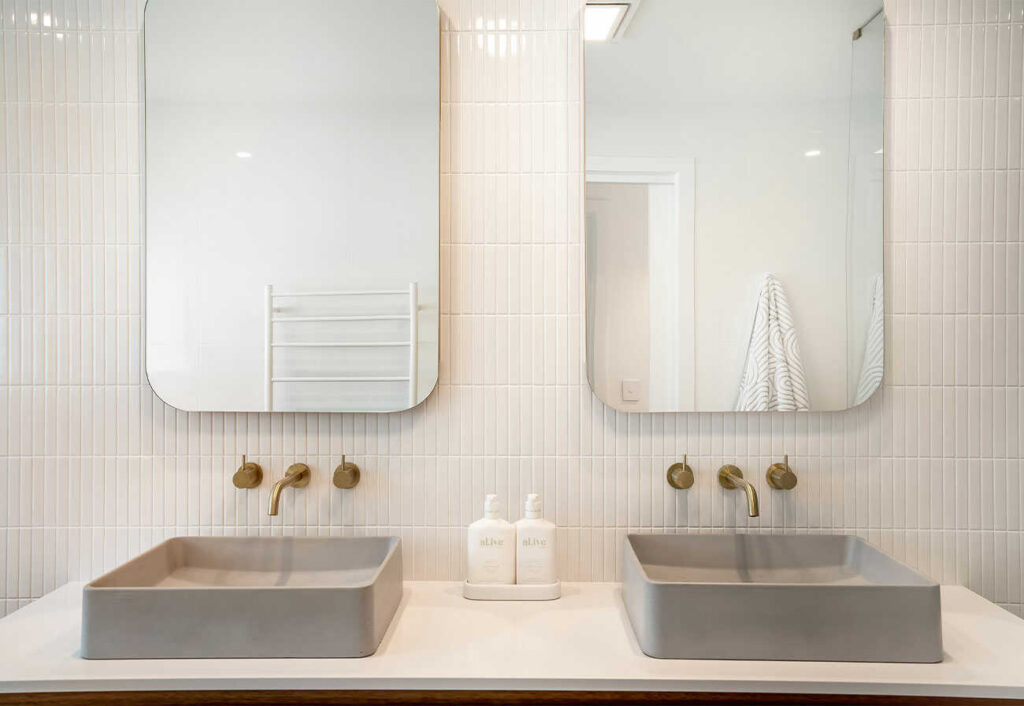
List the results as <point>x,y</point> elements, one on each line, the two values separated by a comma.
<point>728,51</point>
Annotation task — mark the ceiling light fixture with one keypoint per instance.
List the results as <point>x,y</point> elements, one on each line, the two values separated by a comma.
<point>602,21</point>
<point>812,153</point>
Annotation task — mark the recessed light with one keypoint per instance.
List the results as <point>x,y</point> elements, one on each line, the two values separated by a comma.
<point>602,20</point>
<point>878,151</point>
<point>243,155</point>
<point>812,153</point>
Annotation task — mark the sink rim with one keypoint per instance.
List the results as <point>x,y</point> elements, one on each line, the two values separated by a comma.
<point>924,581</point>
<point>393,547</point>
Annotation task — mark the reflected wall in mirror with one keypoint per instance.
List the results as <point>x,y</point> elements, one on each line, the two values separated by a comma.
<point>291,203</point>
<point>734,203</point>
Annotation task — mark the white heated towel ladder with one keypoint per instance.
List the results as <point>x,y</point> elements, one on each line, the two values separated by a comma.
<point>270,296</point>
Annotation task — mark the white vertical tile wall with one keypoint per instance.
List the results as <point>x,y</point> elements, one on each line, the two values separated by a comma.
<point>94,468</point>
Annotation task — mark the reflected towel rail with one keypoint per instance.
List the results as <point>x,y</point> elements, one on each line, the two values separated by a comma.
<point>412,315</point>
<point>353,344</point>
<point>341,379</point>
<point>301,319</point>
<point>353,293</point>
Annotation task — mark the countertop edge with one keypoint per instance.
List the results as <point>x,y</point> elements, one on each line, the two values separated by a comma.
<point>513,685</point>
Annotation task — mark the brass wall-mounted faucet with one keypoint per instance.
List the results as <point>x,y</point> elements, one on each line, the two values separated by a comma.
<point>297,475</point>
<point>731,478</point>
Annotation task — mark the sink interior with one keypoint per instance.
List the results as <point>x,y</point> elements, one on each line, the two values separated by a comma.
<point>778,597</point>
<point>769,559</point>
<point>259,597</point>
<point>191,562</point>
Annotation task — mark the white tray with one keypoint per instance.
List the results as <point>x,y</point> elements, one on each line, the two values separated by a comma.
<point>511,591</point>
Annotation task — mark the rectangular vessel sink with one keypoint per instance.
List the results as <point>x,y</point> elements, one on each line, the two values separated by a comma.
<point>246,597</point>
<point>821,598</point>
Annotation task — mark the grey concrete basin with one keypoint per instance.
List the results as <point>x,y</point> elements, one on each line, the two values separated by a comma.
<point>821,598</point>
<point>246,597</point>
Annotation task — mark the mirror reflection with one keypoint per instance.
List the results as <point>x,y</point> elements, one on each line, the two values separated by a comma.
<point>291,182</point>
<point>734,204</point>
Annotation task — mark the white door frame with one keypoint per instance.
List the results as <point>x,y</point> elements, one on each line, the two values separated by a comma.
<point>679,174</point>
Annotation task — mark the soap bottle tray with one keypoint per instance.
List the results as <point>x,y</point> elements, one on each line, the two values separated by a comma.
<point>511,591</point>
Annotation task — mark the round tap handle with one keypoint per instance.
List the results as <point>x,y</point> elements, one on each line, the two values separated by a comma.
<point>249,475</point>
<point>680,475</point>
<point>780,476</point>
<point>346,475</point>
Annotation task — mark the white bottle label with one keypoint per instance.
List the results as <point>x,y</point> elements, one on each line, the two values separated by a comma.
<point>491,555</point>
<point>535,556</point>
<point>491,561</point>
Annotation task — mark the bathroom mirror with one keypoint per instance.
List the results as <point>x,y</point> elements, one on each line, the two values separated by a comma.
<point>291,203</point>
<point>733,209</point>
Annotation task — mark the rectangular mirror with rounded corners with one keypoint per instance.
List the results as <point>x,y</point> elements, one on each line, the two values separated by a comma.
<point>291,203</point>
<point>733,209</point>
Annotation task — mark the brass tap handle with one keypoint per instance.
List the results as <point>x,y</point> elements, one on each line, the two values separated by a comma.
<point>780,476</point>
<point>249,475</point>
<point>346,475</point>
<point>680,475</point>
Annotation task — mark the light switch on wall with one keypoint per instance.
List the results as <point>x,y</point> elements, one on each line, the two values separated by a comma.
<point>630,390</point>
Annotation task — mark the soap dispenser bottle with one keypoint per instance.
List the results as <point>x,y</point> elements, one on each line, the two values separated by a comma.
<point>535,546</point>
<point>491,547</point>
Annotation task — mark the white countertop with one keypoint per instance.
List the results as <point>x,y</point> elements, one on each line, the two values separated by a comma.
<point>583,641</point>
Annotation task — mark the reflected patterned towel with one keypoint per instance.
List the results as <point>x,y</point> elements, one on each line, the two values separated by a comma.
<point>874,345</point>
<point>773,376</point>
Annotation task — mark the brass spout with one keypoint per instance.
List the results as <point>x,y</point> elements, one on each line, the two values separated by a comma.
<point>731,478</point>
<point>297,475</point>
